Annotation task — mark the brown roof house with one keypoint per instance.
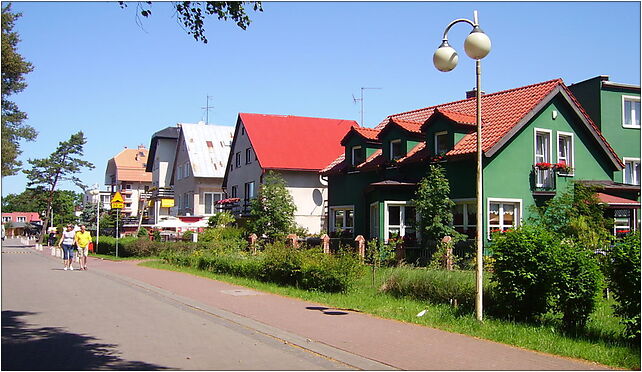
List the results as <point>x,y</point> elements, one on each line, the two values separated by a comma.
<point>126,173</point>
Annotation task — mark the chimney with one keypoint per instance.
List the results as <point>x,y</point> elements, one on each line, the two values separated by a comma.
<point>472,93</point>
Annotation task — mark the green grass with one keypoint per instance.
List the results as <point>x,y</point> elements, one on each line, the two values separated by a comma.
<point>601,342</point>
<point>114,258</point>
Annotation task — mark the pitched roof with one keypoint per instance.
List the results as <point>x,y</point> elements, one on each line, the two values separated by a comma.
<point>167,133</point>
<point>208,148</point>
<point>617,201</point>
<point>367,133</point>
<point>295,142</point>
<point>130,165</point>
<point>503,114</point>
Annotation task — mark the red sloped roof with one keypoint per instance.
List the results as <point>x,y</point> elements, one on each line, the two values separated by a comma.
<point>458,117</point>
<point>295,142</point>
<point>500,113</point>
<point>367,133</point>
<point>616,200</point>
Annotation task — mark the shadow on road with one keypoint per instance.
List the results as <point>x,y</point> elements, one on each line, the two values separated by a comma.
<point>49,348</point>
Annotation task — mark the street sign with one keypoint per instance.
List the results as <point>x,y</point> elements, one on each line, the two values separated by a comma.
<point>117,201</point>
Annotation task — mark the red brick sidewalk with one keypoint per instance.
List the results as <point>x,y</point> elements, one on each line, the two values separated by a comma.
<point>392,343</point>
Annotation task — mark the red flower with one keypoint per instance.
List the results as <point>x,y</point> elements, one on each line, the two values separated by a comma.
<point>543,165</point>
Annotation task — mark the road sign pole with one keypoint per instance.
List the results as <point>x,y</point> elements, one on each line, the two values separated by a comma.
<point>117,213</point>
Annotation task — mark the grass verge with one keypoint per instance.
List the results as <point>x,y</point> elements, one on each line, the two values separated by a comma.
<point>114,258</point>
<point>601,342</point>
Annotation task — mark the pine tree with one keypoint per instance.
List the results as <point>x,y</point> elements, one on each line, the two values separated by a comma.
<point>14,67</point>
<point>62,165</point>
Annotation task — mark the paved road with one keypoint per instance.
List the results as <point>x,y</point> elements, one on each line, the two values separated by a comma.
<point>55,319</point>
<point>151,319</point>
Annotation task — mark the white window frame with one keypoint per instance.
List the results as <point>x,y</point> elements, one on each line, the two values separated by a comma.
<point>402,218</point>
<point>501,201</point>
<point>6,219</point>
<point>570,163</point>
<point>248,154</point>
<point>344,208</point>
<point>542,173</point>
<point>466,223</point>
<point>214,208</point>
<point>21,219</point>
<point>634,99</point>
<point>630,160</point>
<point>353,151</point>
<point>392,156</point>
<point>436,136</point>
<point>627,227</point>
<point>245,189</point>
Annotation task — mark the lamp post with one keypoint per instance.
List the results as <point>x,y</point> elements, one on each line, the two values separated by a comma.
<point>96,192</point>
<point>477,46</point>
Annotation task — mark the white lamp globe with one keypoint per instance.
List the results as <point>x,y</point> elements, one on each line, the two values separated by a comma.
<point>477,44</point>
<point>445,58</point>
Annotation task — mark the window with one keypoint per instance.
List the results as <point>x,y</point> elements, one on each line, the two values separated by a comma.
<point>186,170</point>
<point>234,191</point>
<point>358,155</point>
<point>242,131</point>
<point>565,149</point>
<point>543,177</point>
<point>248,155</point>
<point>503,215</point>
<point>395,149</point>
<point>401,220</point>
<point>630,112</point>
<point>631,171</point>
<point>6,219</point>
<point>179,201</point>
<point>179,172</point>
<point>21,219</point>
<point>210,201</point>
<point>128,187</point>
<point>238,159</point>
<point>621,222</point>
<point>249,190</point>
<point>441,143</point>
<point>465,217</point>
<point>342,218</point>
<point>186,202</point>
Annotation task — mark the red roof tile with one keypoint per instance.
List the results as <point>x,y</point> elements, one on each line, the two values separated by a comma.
<point>616,200</point>
<point>458,117</point>
<point>295,142</point>
<point>367,133</point>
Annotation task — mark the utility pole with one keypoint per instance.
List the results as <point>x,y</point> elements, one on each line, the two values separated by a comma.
<point>207,110</point>
<point>361,99</point>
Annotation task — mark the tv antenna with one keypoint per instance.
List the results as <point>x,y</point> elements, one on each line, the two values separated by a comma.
<point>207,110</point>
<point>361,100</point>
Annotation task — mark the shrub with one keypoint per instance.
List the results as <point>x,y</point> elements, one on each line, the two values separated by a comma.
<point>623,271</point>
<point>142,232</point>
<point>221,219</point>
<point>282,264</point>
<point>520,268</point>
<point>326,273</point>
<point>187,236</point>
<point>536,272</point>
<point>576,282</point>
<point>224,239</point>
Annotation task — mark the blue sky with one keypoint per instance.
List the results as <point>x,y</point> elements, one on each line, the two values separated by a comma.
<point>98,71</point>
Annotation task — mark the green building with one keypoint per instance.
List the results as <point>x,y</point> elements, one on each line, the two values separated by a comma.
<point>536,141</point>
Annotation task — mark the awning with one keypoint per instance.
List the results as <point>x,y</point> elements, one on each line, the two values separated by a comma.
<point>618,202</point>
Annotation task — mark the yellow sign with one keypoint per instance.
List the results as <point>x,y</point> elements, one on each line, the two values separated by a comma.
<point>117,201</point>
<point>167,203</point>
<point>117,205</point>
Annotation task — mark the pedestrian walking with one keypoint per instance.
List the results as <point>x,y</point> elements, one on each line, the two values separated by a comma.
<point>67,243</point>
<point>82,239</point>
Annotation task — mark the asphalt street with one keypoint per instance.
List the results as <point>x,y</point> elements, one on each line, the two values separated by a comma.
<point>81,320</point>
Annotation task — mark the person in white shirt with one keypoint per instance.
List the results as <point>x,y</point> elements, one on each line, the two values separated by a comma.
<point>67,243</point>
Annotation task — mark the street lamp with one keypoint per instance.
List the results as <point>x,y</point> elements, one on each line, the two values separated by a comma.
<point>96,192</point>
<point>477,46</point>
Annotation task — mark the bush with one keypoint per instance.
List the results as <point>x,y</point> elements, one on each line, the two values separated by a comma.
<point>436,286</point>
<point>520,273</point>
<point>307,269</point>
<point>187,236</point>
<point>536,272</point>
<point>143,232</point>
<point>221,219</point>
<point>623,271</point>
<point>224,239</point>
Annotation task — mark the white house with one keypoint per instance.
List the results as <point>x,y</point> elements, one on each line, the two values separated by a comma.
<point>160,163</point>
<point>295,147</point>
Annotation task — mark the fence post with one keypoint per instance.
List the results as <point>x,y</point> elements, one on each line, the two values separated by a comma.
<point>361,246</point>
<point>449,252</point>
<point>252,238</point>
<point>294,239</point>
<point>325,241</point>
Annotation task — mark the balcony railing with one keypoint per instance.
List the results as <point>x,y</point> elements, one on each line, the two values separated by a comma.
<point>543,181</point>
<point>162,193</point>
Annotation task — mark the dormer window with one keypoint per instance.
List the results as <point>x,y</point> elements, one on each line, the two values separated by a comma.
<point>358,155</point>
<point>441,143</point>
<point>395,149</point>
